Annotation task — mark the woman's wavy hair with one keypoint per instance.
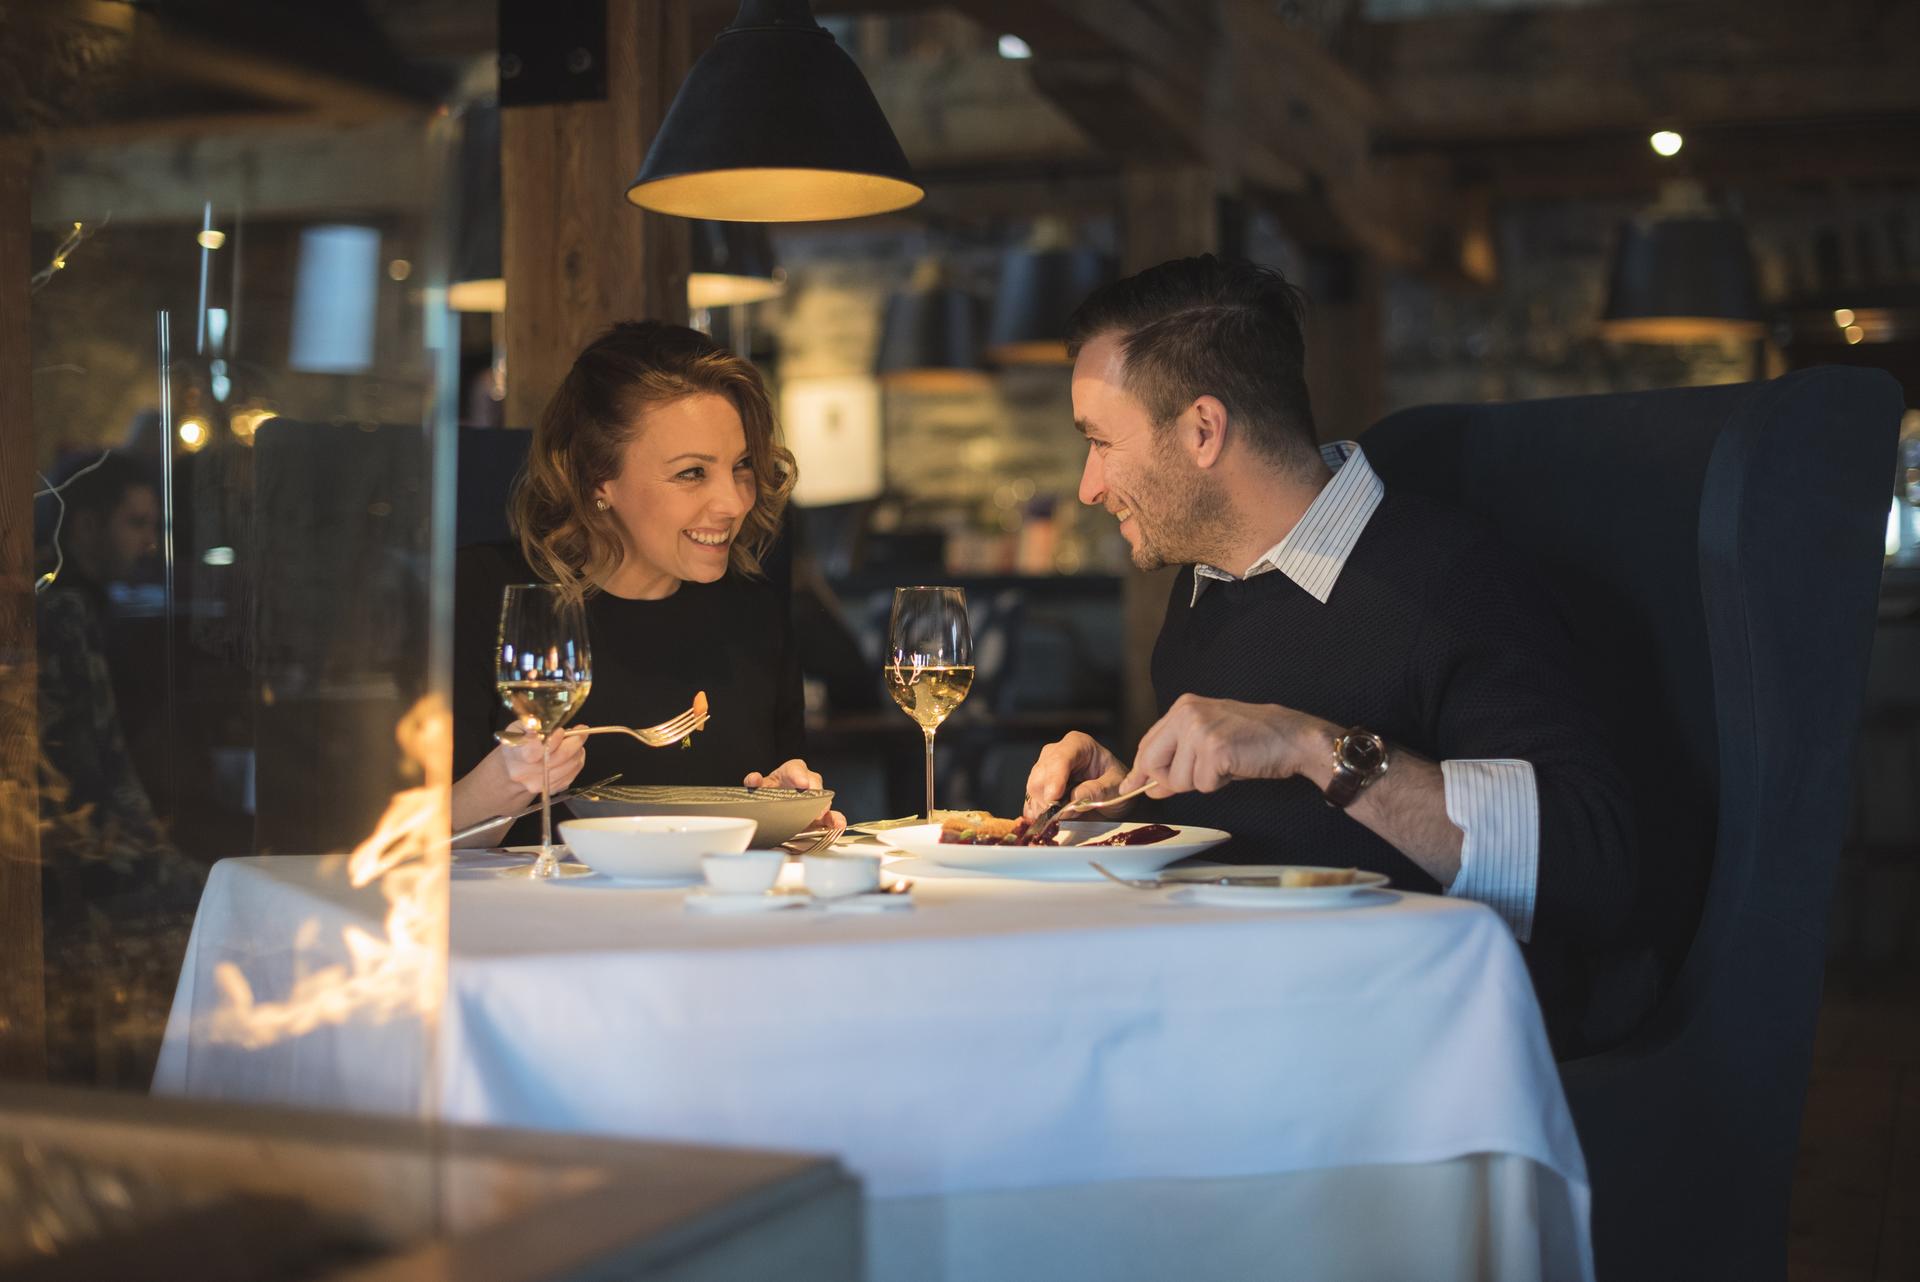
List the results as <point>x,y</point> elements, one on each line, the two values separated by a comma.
<point>578,442</point>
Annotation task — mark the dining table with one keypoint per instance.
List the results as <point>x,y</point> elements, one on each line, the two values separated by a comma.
<point>1031,1079</point>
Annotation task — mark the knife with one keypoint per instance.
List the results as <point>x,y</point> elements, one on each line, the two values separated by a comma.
<point>474,830</point>
<point>1054,811</point>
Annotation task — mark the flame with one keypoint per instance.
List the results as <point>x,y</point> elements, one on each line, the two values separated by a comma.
<point>384,976</point>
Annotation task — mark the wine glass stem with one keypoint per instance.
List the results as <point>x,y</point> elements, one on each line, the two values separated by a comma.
<point>929,734</point>
<point>546,865</point>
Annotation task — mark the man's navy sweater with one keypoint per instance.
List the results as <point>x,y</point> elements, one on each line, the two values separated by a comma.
<point>1435,638</point>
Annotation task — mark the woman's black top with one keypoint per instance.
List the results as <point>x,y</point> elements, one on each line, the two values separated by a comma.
<point>732,639</point>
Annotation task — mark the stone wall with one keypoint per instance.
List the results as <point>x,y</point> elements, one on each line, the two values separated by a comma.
<point>1536,334</point>
<point>983,465</point>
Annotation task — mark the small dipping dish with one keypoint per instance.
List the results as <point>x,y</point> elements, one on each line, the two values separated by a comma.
<point>837,876</point>
<point>751,872</point>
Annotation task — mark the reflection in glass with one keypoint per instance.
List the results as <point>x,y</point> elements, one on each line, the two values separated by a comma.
<point>239,404</point>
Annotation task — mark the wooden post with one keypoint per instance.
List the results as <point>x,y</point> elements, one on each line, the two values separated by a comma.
<point>23,1046</point>
<point>577,256</point>
<point>1168,211</point>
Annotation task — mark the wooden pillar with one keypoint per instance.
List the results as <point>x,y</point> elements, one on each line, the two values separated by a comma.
<point>576,255</point>
<point>1168,211</point>
<point>22,983</point>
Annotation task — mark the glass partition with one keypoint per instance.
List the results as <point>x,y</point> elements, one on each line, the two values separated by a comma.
<point>242,436</point>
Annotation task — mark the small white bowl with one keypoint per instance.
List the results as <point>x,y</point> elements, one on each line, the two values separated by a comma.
<point>836,876</point>
<point>661,849</point>
<point>751,872</point>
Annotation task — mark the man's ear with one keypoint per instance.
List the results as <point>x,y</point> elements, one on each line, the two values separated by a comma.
<point>1204,431</point>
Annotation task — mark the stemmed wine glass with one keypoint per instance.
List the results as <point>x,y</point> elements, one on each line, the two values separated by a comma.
<point>929,665</point>
<point>543,671</point>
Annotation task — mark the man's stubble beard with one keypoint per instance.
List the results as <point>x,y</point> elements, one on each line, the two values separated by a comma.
<point>1190,520</point>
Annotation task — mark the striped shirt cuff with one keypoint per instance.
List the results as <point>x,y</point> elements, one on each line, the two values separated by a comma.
<point>1497,805</point>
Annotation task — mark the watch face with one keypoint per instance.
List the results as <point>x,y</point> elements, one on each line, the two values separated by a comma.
<point>1362,752</point>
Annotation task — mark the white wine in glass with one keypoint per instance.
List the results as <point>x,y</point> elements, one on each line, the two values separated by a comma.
<point>929,666</point>
<point>543,670</point>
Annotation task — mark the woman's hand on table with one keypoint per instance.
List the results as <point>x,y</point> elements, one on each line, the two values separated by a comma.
<point>1075,768</point>
<point>794,774</point>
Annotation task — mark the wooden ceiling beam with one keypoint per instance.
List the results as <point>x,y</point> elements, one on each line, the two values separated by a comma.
<point>1622,163</point>
<point>163,52</point>
<point>1560,71</point>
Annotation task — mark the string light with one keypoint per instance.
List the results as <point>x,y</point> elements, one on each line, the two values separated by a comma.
<point>1667,142</point>
<point>58,262</point>
<point>45,581</point>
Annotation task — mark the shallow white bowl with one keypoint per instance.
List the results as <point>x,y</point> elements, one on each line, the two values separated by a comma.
<point>663,849</point>
<point>751,872</point>
<point>780,812</point>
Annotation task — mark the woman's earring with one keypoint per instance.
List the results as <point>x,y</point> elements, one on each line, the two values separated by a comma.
<point>601,504</point>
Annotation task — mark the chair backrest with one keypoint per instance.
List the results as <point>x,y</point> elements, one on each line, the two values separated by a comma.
<point>1716,553</point>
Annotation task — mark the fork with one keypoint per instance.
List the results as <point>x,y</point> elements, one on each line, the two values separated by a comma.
<point>664,735</point>
<point>1136,883</point>
<point>809,843</point>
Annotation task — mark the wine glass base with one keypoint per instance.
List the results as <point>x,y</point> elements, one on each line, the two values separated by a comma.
<point>525,873</point>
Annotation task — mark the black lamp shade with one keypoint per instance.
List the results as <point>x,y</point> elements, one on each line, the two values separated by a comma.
<point>732,263</point>
<point>1038,291</point>
<point>930,341</point>
<point>1682,280</point>
<point>774,124</point>
<point>477,283</point>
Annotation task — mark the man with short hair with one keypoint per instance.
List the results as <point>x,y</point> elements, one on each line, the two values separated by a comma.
<point>1346,675</point>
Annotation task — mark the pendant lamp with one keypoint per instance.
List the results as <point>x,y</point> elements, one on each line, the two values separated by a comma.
<point>1038,291</point>
<point>774,123</point>
<point>733,263</point>
<point>1682,273</point>
<point>930,337</point>
<point>477,283</point>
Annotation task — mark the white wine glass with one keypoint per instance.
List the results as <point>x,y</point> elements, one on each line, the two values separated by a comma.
<point>929,665</point>
<point>543,670</point>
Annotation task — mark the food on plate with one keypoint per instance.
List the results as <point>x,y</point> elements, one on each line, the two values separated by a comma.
<point>976,828</point>
<point>1318,876</point>
<point>1144,835</point>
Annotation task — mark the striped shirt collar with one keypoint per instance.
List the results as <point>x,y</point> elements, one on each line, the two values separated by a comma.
<point>1316,549</point>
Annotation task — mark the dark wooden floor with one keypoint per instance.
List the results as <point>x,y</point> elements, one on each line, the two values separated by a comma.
<point>1856,1194</point>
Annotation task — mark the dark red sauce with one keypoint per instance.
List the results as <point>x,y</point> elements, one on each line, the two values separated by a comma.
<point>1144,835</point>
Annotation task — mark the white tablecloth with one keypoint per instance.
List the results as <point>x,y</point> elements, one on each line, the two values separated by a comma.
<point>1001,1036</point>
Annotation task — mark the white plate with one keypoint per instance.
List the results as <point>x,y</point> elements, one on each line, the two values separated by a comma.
<point>1058,863</point>
<point>706,901</point>
<point>915,867</point>
<point>874,901</point>
<point>1366,888</point>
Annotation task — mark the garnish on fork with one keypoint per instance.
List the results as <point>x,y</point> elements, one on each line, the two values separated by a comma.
<point>700,715</point>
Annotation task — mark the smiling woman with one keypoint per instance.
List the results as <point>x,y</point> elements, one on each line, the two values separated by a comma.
<point>654,486</point>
